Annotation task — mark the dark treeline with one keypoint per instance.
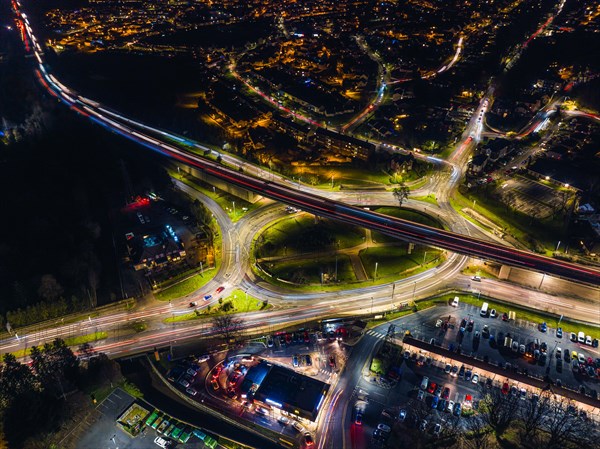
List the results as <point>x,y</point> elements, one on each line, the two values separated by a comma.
<point>62,189</point>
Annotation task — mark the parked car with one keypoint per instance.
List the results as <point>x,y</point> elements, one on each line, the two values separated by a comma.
<point>402,415</point>
<point>447,368</point>
<point>420,395</point>
<point>283,420</point>
<point>191,391</point>
<point>543,327</point>
<point>424,382</point>
<point>431,388</point>
<point>446,393</point>
<point>457,409</point>
<point>384,428</point>
<point>437,429</point>
<point>423,425</point>
<point>434,401</point>
<point>493,313</point>
<point>573,336</point>
<point>559,332</point>
<point>450,406</point>
<point>475,379</point>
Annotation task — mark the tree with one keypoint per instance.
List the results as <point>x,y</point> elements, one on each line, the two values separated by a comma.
<point>498,410</point>
<point>202,214</point>
<point>531,415</point>
<point>16,378</point>
<point>55,364</point>
<point>227,327</point>
<point>476,433</point>
<point>562,424</point>
<point>401,193</point>
<point>49,288</point>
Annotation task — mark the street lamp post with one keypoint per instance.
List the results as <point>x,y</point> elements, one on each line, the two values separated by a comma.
<point>557,245</point>
<point>424,257</point>
<point>233,202</point>
<point>375,275</point>
<point>542,281</point>
<point>414,291</point>
<point>371,305</point>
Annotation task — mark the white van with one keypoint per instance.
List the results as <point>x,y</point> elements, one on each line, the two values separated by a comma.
<point>581,337</point>
<point>424,383</point>
<point>484,309</point>
<point>455,301</point>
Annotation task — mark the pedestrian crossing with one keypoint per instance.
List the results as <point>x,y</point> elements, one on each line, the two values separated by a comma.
<point>376,334</point>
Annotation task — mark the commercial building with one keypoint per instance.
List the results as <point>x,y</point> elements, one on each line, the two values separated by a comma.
<point>277,387</point>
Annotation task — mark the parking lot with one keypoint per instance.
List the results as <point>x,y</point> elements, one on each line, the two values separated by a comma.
<point>528,334</point>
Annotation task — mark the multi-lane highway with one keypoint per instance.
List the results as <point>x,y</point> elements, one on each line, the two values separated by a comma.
<point>310,202</point>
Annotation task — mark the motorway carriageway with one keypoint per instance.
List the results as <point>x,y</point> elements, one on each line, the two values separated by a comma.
<point>395,227</point>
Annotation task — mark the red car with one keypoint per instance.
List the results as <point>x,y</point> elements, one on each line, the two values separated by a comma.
<point>288,338</point>
<point>505,388</point>
<point>446,393</point>
<point>220,289</point>
<point>431,388</point>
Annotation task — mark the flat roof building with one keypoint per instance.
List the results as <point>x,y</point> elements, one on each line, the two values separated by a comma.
<point>287,390</point>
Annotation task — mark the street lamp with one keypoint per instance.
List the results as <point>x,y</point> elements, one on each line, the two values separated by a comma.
<point>424,257</point>
<point>375,275</point>
<point>233,202</point>
<point>542,281</point>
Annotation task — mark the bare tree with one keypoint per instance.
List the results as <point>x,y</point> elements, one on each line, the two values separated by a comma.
<point>227,327</point>
<point>401,193</point>
<point>531,415</point>
<point>562,424</point>
<point>498,410</point>
<point>477,433</point>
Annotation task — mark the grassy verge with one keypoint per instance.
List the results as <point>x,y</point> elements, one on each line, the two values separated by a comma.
<point>89,338</point>
<point>479,270</point>
<point>431,199</point>
<point>186,287</point>
<point>394,260</point>
<point>69,341</point>
<point>309,270</point>
<point>237,302</point>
